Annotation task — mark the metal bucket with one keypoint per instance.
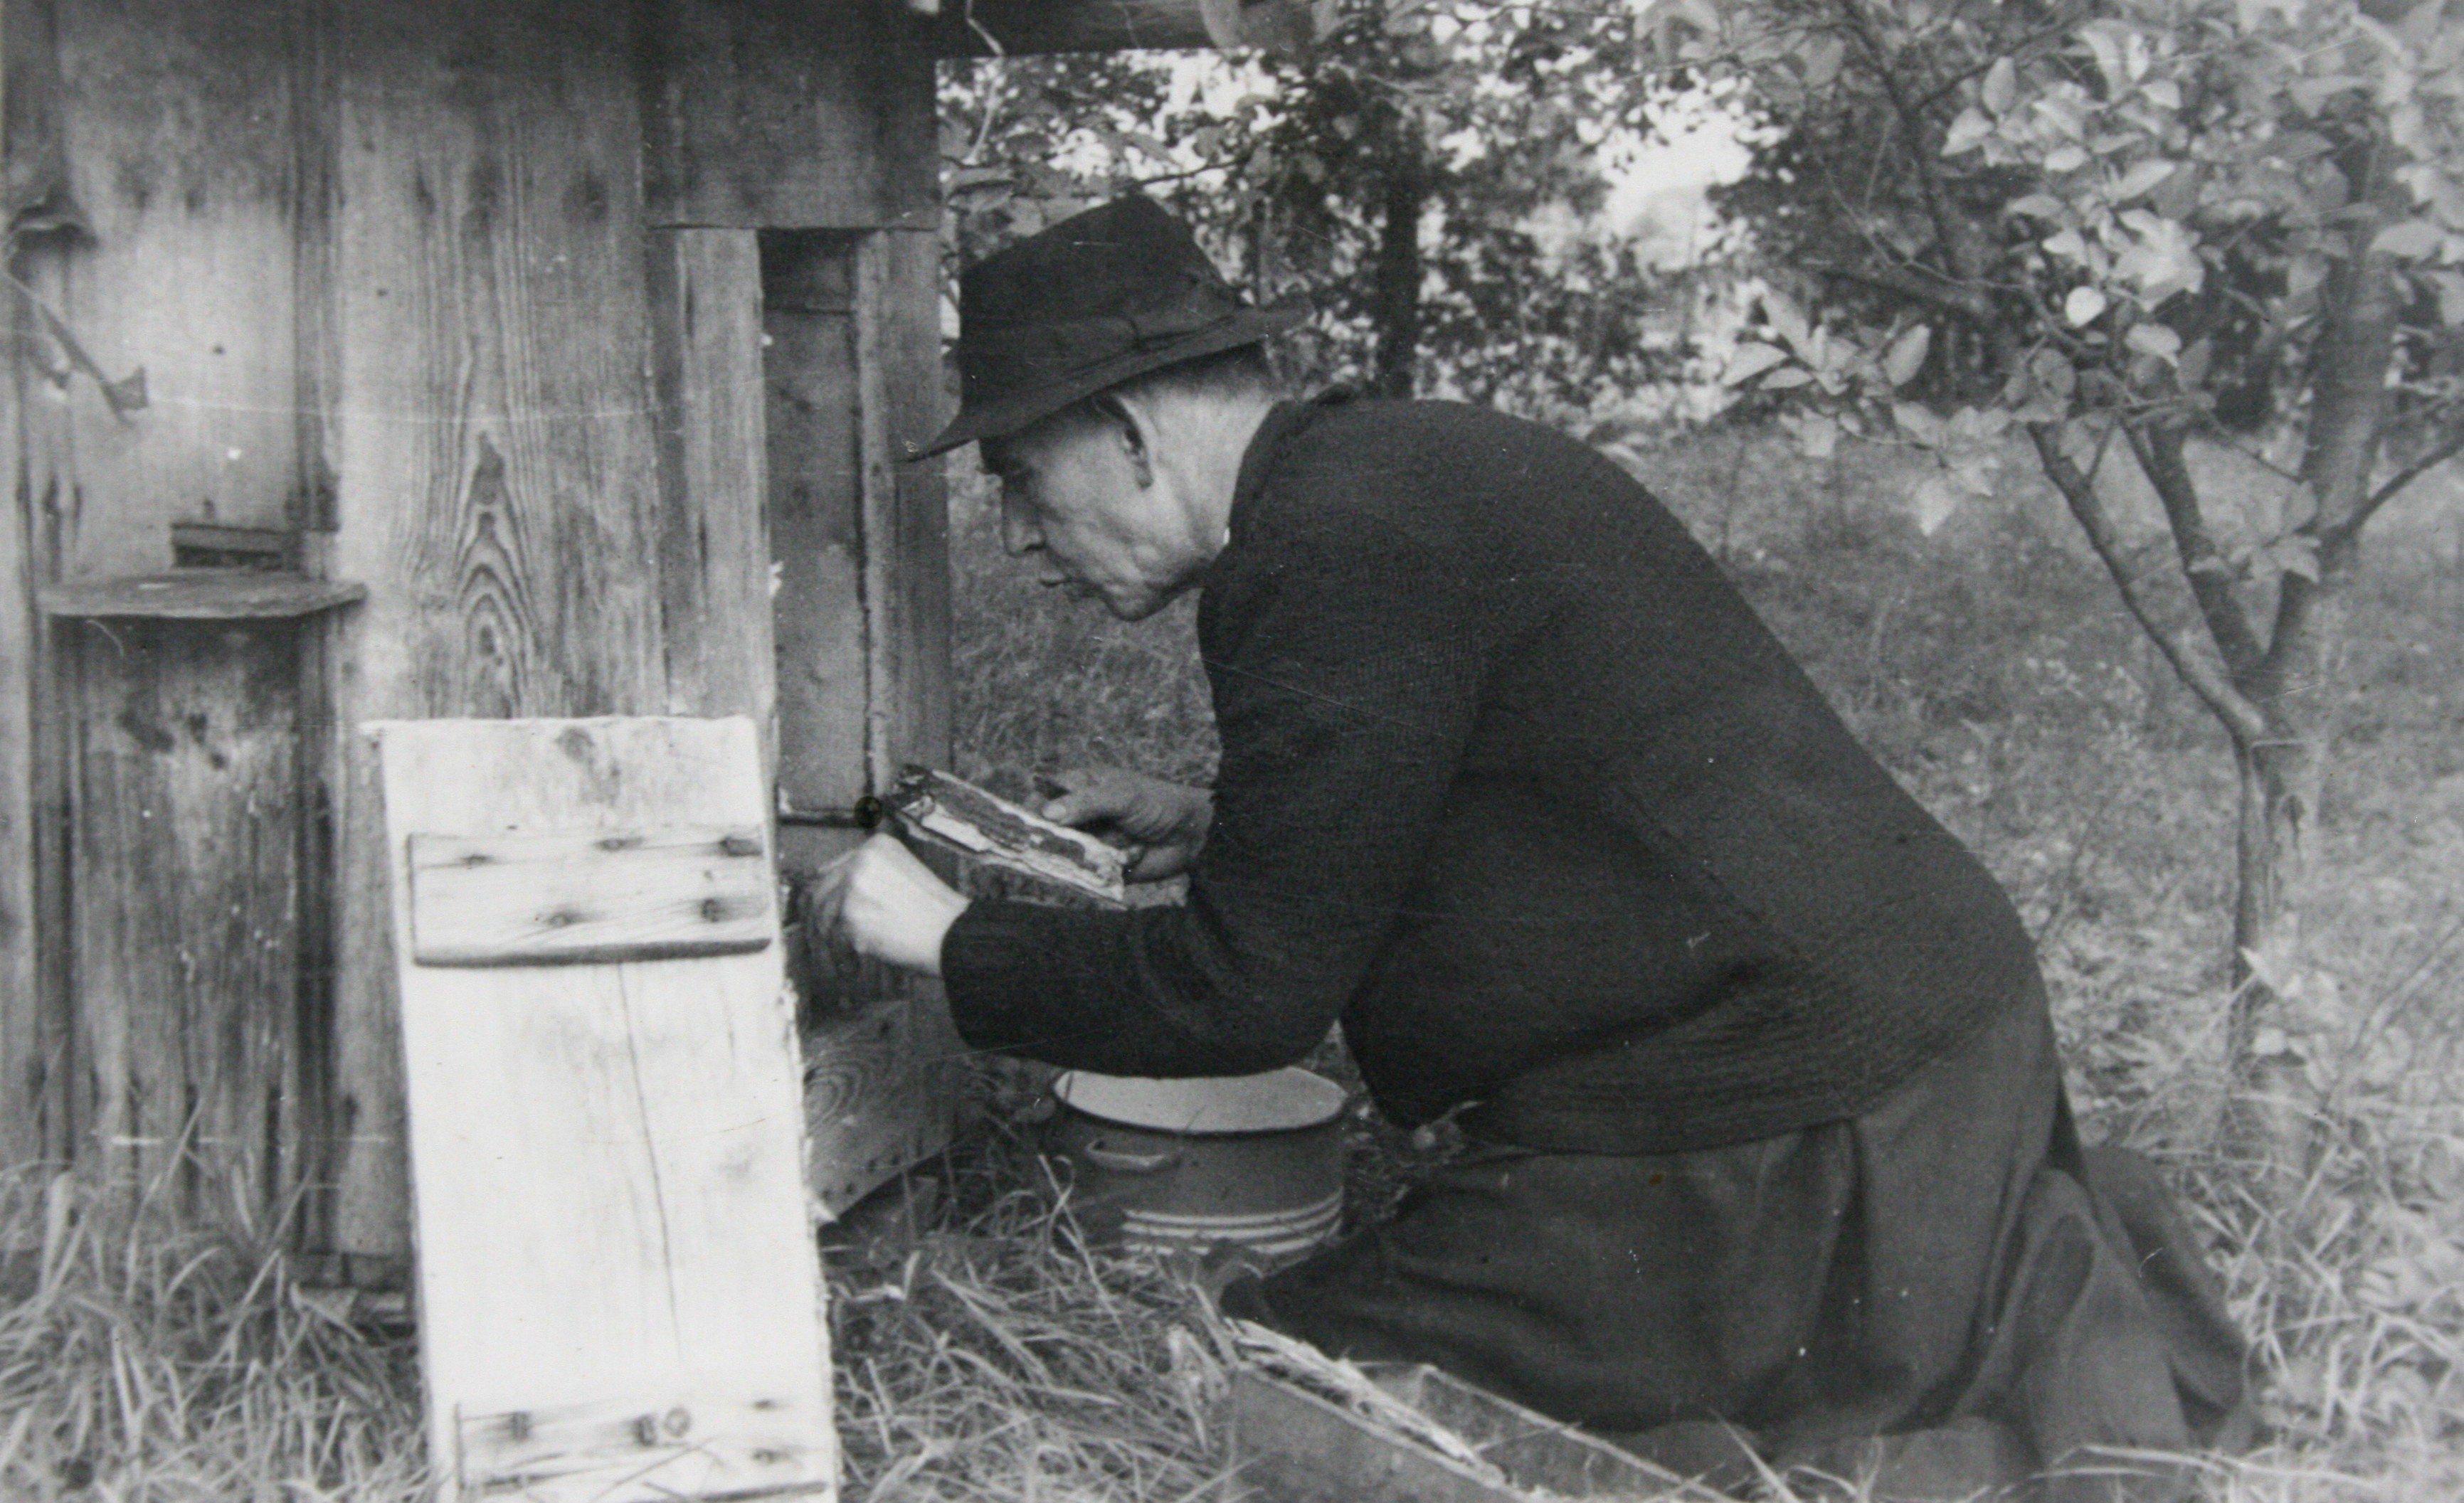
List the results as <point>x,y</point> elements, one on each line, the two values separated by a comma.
<point>1166,1165</point>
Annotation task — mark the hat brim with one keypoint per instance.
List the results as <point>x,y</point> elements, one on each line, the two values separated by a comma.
<point>1023,409</point>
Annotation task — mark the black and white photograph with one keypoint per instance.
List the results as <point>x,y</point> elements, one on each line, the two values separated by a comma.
<point>1232,752</point>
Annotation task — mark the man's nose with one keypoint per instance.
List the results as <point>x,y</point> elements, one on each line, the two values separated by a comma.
<point>1020,535</point>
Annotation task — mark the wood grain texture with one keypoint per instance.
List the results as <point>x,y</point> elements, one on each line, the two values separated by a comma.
<point>188,274</point>
<point>880,1092</point>
<point>816,522</point>
<point>185,853</point>
<point>47,498</point>
<point>786,115</point>
<point>201,595</point>
<point>22,1024</point>
<point>552,1450</point>
<point>705,299</point>
<point>668,893</point>
<point>1298,1448</point>
<point>910,520</point>
<point>498,487</point>
<point>611,1208</point>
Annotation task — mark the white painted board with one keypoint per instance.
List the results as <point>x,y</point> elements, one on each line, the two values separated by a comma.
<point>619,1294</point>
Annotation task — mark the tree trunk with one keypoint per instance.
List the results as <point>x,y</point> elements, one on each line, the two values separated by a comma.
<point>2267,1127</point>
<point>1398,309</point>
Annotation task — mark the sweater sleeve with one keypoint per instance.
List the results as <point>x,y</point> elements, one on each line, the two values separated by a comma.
<point>1348,664</point>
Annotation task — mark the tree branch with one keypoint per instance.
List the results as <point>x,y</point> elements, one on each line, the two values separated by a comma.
<point>2204,679</point>
<point>2454,446</point>
<point>1948,227</point>
<point>2159,452</point>
<point>1947,295</point>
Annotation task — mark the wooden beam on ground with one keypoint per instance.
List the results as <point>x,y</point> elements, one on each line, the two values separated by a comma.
<point>619,1295</point>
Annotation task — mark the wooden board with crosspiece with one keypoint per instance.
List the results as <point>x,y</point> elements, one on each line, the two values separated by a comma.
<point>620,1298</point>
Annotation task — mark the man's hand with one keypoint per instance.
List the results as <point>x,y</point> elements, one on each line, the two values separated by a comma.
<point>878,899</point>
<point>1166,819</point>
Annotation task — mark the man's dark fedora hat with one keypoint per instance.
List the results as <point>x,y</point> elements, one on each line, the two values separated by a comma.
<point>1102,297</point>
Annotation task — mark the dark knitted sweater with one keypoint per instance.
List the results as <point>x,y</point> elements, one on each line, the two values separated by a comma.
<point>1517,786</point>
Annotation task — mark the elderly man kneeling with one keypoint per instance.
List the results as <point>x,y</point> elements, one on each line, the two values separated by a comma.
<point>1768,1138</point>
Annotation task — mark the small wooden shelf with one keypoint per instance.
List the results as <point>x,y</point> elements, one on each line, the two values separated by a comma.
<point>201,595</point>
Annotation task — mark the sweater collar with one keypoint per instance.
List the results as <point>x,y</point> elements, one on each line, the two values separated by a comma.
<point>1282,420</point>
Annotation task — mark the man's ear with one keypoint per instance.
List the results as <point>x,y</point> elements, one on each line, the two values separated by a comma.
<point>1132,425</point>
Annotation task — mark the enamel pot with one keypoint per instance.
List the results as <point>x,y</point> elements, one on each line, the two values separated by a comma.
<point>1165,1165</point>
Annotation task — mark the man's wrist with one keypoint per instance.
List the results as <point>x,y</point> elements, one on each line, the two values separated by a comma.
<point>951,906</point>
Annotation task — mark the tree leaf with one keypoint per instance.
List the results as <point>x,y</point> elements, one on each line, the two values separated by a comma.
<point>2036,206</point>
<point>1968,132</point>
<point>2082,306</point>
<point>2142,176</point>
<point>2065,159</point>
<point>2104,39</point>
<point>1749,362</point>
<point>1907,354</point>
<point>2412,239</point>
<point>1787,377</point>
<point>1918,423</point>
<point>1935,499</point>
<point>2451,296</point>
<point>2001,87</point>
<point>1786,320</point>
<point>1817,435</point>
<point>2156,339</point>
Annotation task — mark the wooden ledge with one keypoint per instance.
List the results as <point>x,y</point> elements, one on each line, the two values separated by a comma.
<point>201,595</point>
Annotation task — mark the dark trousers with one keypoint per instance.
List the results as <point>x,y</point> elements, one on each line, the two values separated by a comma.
<point>1946,1294</point>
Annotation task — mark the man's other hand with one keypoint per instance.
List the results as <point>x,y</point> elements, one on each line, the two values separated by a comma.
<point>1168,820</point>
<point>878,899</point>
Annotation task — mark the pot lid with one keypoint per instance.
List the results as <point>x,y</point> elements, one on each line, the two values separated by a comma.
<point>1278,1100</point>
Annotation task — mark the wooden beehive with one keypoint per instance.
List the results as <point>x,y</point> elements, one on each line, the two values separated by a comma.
<point>434,359</point>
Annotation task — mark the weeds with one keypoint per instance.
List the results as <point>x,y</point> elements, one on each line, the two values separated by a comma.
<point>985,1351</point>
<point>145,1356</point>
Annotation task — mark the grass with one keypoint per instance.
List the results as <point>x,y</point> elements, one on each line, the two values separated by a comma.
<point>986,1352</point>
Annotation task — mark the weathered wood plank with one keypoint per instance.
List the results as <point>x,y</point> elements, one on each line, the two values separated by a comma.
<point>611,1206</point>
<point>881,1093</point>
<point>705,296</point>
<point>201,595</point>
<point>545,899</point>
<point>656,1433</point>
<point>1298,1448</point>
<point>499,488</point>
<point>816,458</point>
<point>908,521</point>
<point>315,1126</point>
<point>188,274</point>
<point>185,852</point>
<point>48,500</point>
<point>781,115</point>
<point>22,1024</point>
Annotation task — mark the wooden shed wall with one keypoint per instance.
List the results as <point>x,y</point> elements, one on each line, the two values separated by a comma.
<point>468,293</point>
